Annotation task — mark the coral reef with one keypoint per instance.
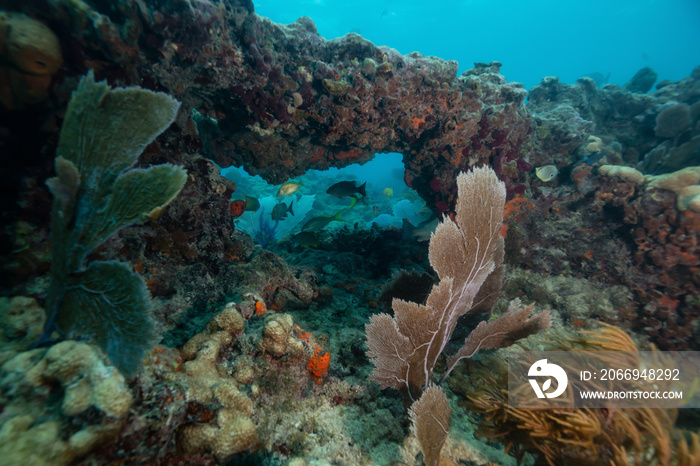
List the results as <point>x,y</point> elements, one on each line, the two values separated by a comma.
<point>263,355</point>
<point>630,221</point>
<point>653,132</point>
<point>577,301</point>
<point>667,251</point>
<point>286,100</point>
<point>203,397</point>
<point>684,183</point>
<point>672,120</point>
<point>634,234</point>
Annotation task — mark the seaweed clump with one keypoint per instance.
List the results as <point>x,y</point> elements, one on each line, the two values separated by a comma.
<point>95,194</point>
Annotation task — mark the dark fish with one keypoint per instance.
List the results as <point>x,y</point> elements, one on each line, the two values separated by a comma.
<point>593,157</point>
<point>306,239</point>
<point>317,223</point>
<point>599,78</point>
<point>347,188</point>
<point>251,204</point>
<point>280,211</point>
<point>420,233</point>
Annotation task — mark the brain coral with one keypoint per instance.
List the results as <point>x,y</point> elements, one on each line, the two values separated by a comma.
<point>672,121</point>
<point>232,433</point>
<point>278,339</point>
<point>207,381</point>
<point>685,183</point>
<point>35,431</point>
<point>88,381</point>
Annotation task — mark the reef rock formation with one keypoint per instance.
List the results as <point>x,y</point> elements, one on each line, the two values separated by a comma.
<point>665,227</point>
<point>632,220</point>
<point>280,99</point>
<point>657,132</point>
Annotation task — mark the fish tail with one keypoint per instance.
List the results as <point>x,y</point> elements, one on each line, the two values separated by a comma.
<point>337,217</point>
<point>363,189</point>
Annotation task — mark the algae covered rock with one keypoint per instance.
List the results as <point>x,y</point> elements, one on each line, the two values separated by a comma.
<point>21,322</point>
<point>96,193</point>
<point>642,81</point>
<point>672,120</point>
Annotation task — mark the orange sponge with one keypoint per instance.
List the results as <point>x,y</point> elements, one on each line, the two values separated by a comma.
<point>318,365</point>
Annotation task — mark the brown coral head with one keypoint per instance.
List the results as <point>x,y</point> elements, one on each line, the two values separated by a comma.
<point>335,87</point>
<point>29,45</point>
<point>385,70</point>
<point>33,54</point>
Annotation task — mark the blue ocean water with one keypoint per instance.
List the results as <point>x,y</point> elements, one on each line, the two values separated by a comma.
<point>383,177</point>
<point>532,39</point>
